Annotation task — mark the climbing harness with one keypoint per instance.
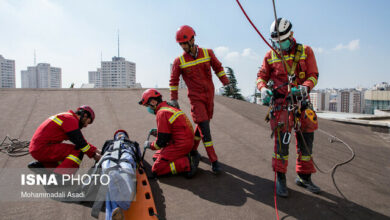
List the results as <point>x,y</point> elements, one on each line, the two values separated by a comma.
<point>13,147</point>
<point>291,105</point>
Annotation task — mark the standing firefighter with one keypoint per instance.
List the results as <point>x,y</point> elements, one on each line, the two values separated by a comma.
<point>195,67</point>
<point>46,144</point>
<point>290,108</point>
<point>175,137</point>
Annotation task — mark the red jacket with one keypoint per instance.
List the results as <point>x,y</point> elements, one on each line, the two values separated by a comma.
<point>58,128</point>
<point>196,73</point>
<point>306,72</point>
<point>173,128</point>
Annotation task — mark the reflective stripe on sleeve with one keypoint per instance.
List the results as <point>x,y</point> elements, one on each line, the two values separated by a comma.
<point>86,148</point>
<point>74,158</point>
<point>222,73</point>
<point>313,80</point>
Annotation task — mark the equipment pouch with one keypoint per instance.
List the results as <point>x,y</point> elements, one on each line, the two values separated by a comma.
<point>309,121</point>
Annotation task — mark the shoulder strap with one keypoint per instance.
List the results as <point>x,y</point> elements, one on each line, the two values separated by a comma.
<point>297,56</point>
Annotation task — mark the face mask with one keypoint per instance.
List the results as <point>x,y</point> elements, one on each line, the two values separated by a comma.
<point>285,45</point>
<point>150,110</point>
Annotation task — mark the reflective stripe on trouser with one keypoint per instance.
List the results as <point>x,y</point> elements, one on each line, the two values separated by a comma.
<point>51,155</point>
<point>304,164</point>
<point>70,164</point>
<point>162,166</point>
<point>204,128</point>
<point>280,155</point>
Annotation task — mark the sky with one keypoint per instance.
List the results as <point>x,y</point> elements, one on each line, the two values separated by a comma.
<point>350,38</point>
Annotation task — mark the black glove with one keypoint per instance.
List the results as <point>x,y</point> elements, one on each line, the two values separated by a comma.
<point>174,103</point>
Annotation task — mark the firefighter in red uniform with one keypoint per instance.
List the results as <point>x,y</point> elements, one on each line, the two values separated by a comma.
<point>175,137</point>
<point>303,74</point>
<point>195,67</point>
<point>46,144</point>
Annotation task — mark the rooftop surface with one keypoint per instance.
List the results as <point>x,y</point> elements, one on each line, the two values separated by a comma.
<point>243,144</point>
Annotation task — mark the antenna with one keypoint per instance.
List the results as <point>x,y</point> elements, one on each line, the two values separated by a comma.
<point>35,58</point>
<point>118,43</point>
<point>101,56</point>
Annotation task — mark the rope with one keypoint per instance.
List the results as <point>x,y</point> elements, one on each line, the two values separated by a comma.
<point>333,169</point>
<point>13,147</point>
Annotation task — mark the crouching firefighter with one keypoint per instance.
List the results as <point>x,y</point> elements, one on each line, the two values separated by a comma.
<point>175,137</point>
<point>119,161</point>
<point>290,103</point>
<point>46,144</point>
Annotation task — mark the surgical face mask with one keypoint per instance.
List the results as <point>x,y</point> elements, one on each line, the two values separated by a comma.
<point>285,45</point>
<point>150,110</point>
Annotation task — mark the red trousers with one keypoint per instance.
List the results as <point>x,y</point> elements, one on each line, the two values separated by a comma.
<point>202,107</point>
<point>170,160</point>
<point>304,144</point>
<point>63,157</point>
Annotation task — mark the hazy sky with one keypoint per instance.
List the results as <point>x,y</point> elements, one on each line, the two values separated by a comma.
<point>350,38</point>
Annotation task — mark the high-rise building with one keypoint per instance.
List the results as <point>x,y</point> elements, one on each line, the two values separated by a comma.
<point>7,73</point>
<point>320,100</point>
<point>350,101</point>
<point>41,76</point>
<point>376,99</point>
<point>118,73</point>
<point>94,77</point>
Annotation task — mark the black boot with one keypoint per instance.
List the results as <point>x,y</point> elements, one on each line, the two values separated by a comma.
<point>196,157</point>
<point>37,167</point>
<point>194,162</point>
<point>216,168</point>
<point>281,185</point>
<point>304,180</point>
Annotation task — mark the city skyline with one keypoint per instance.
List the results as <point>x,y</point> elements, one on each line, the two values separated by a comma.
<point>347,47</point>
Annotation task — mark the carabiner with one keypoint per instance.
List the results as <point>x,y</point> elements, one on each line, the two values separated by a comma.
<point>288,135</point>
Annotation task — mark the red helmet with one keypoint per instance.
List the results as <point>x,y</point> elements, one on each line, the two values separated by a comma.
<point>89,110</point>
<point>149,93</point>
<point>184,34</point>
<point>122,131</point>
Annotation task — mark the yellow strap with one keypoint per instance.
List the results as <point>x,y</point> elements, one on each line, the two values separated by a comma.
<point>86,148</point>
<point>173,168</point>
<point>74,158</point>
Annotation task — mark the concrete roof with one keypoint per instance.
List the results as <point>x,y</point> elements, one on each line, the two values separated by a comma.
<point>243,144</point>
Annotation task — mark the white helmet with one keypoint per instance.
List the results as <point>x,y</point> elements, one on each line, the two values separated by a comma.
<point>284,29</point>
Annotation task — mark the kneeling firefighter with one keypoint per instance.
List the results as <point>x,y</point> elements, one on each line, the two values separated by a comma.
<point>46,144</point>
<point>290,107</point>
<point>175,137</point>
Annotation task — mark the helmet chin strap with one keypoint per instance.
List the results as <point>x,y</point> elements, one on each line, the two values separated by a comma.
<point>80,121</point>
